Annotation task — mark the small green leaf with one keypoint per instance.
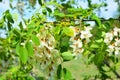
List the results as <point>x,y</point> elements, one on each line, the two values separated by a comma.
<point>67,74</point>
<point>15,16</point>
<point>86,52</point>
<point>44,11</point>
<point>11,6</point>
<point>68,31</point>
<point>16,32</point>
<point>48,9</point>
<point>35,39</point>
<point>31,24</point>
<point>94,45</point>
<point>99,40</point>
<point>21,26</point>
<point>41,2</point>
<point>1,23</point>
<point>59,71</point>
<point>57,30</point>
<point>9,18</point>
<point>23,54</point>
<point>98,59</point>
<point>67,56</point>
<point>29,48</point>
<point>17,49</point>
<point>97,20</point>
<point>103,33</point>
<point>9,26</point>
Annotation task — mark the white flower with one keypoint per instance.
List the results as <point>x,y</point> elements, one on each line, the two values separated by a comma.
<point>110,49</point>
<point>79,50</point>
<point>117,50</point>
<point>117,42</point>
<point>108,38</point>
<point>76,44</point>
<point>85,34</point>
<point>116,31</point>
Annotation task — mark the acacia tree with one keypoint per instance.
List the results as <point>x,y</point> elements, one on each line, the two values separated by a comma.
<point>45,46</point>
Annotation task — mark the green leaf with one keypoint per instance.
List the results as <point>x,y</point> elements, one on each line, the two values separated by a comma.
<point>15,16</point>
<point>31,24</point>
<point>17,49</point>
<point>9,26</point>
<point>35,39</point>
<point>97,20</point>
<point>44,11</point>
<point>21,26</point>
<point>98,59</point>
<point>9,18</point>
<point>90,58</point>
<point>94,45</point>
<point>59,71</point>
<point>86,52</point>
<point>11,6</point>
<point>67,56</point>
<point>57,30</point>
<point>1,23</point>
<point>48,9</point>
<point>23,54</point>
<point>29,48</point>
<point>99,40</point>
<point>67,74</point>
<point>41,2</point>
<point>16,32</point>
<point>68,31</point>
<point>103,33</point>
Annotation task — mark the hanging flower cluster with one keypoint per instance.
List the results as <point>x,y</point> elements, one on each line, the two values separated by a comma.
<point>112,39</point>
<point>80,37</point>
<point>46,54</point>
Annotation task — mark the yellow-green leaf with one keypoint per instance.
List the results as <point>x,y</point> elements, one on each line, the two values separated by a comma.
<point>35,39</point>
<point>67,56</point>
<point>68,31</point>
<point>57,30</point>
<point>23,54</point>
<point>17,49</point>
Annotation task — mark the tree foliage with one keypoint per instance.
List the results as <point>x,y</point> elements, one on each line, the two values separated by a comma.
<point>44,46</point>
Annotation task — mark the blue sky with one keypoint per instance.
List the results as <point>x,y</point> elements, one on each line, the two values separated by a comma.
<point>112,8</point>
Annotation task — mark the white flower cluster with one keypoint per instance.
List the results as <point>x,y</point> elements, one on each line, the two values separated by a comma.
<point>47,56</point>
<point>112,39</point>
<point>80,37</point>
